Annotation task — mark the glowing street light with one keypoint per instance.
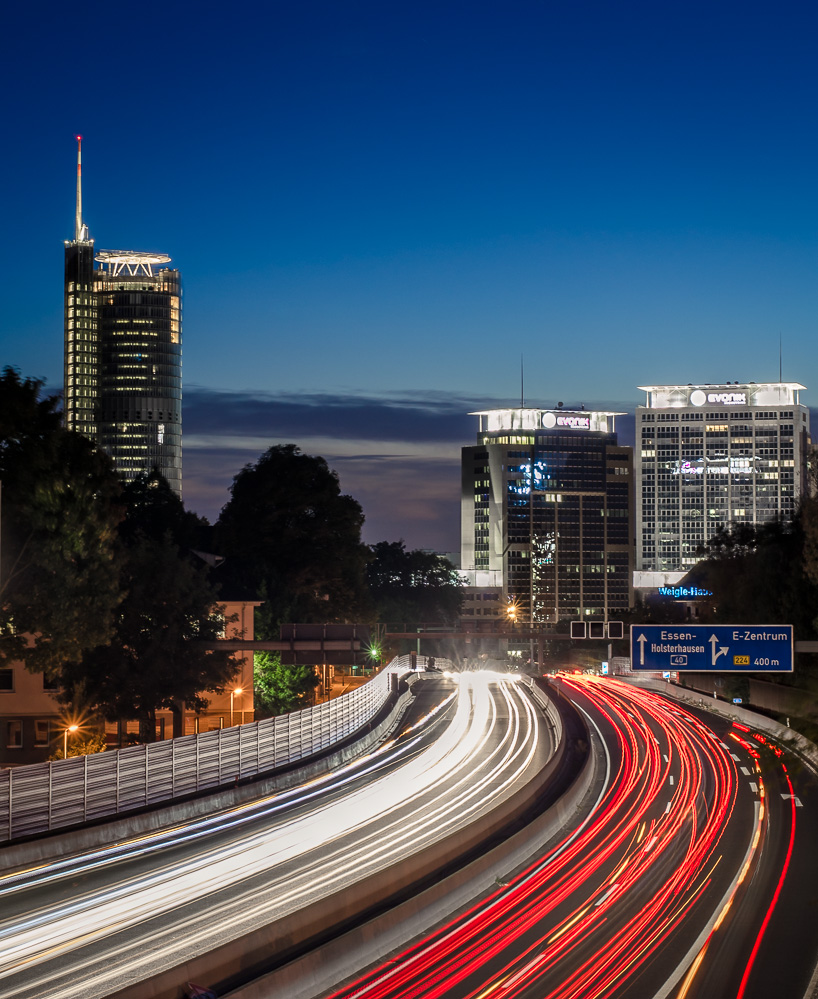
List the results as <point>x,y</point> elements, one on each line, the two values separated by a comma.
<point>238,690</point>
<point>511,611</point>
<point>68,728</point>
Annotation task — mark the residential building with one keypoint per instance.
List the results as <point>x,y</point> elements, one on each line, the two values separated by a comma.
<point>546,506</point>
<point>33,722</point>
<point>709,457</point>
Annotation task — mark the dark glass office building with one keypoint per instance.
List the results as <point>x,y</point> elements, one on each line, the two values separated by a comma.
<point>123,354</point>
<point>547,500</point>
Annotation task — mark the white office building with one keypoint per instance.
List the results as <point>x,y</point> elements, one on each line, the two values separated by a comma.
<point>711,457</point>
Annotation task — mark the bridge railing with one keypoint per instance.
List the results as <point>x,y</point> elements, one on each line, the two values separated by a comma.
<point>45,796</point>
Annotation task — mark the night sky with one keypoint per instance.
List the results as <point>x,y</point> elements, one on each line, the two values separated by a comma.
<point>377,208</point>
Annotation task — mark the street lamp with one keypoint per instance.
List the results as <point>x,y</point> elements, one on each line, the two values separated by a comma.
<point>72,729</point>
<point>238,690</point>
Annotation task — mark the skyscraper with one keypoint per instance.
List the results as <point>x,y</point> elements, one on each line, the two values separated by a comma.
<point>710,457</point>
<point>123,352</point>
<point>546,503</point>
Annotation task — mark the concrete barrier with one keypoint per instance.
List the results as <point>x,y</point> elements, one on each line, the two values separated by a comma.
<point>793,740</point>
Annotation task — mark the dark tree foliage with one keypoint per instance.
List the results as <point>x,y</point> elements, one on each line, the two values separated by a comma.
<point>58,577</point>
<point>155,659</point>
<point>757,575</point>
<point>767,575</point>
<point>292,539</point>
<point>277,688</point>
<point>413,587</point>
<point>154,510</point>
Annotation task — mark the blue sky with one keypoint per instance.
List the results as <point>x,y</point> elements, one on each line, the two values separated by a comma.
<point>377,208</point>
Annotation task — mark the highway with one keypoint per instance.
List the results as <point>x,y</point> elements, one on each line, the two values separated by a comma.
<point>693,875</point>
<point>91,925</point>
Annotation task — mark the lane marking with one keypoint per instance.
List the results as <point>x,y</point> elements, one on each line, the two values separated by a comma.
<point>600,900</point>
<point>673,979</point>
<point>745,771</point>
<point>671,779</point>
<point>754,787</point>
<point>736,758</point>
<point>794,797</point>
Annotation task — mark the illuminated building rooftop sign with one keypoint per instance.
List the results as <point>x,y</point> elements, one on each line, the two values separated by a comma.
<point>131,262</point>
<point>513,420</point>
<point>750,394</point>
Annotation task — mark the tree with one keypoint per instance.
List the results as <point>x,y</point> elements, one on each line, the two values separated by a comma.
<point>413,587</point>
<point>58,580</point>
<point>157,656</point>
<point>290,537</point>
<point>278,689</point>
<point>154,510</point>
<point>85,745</point>
<point>768,574</point>
<point>756,575</point>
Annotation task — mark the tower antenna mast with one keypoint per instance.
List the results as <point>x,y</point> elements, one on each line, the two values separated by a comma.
<point>78,219</point>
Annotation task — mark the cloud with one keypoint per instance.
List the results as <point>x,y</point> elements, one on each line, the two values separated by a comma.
<point>397,455</point>
<point>423,417</point>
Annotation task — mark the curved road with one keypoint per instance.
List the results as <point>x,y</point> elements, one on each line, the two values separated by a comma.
<point>91,925</point>
<point>692,876</point>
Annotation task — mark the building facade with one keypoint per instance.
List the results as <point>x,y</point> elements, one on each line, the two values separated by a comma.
<point>546,504</point>
<point>33,722</point>
<point>123,354</point>
<point>709,457</point>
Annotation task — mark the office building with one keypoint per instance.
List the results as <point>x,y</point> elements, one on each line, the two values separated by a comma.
<point>547,508</point>
<point>709,457</point>
<point>123,353</point>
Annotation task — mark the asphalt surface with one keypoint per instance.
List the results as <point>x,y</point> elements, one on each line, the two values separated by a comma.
<point>90,925</point>
<point>692,875</point>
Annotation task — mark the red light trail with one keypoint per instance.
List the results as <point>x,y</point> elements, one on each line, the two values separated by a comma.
<point>585,919</point>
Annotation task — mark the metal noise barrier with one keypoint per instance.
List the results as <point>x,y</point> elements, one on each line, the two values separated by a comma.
<point>45,796</point>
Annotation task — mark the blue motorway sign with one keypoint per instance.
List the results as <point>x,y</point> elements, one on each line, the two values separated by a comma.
<point>719,648</point>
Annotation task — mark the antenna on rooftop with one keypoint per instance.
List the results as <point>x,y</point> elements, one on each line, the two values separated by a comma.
<point>80,230</point>
<point>78,219</point>
<point>522,383</point>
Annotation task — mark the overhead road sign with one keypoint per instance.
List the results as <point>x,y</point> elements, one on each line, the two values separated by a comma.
<point>720,648</point>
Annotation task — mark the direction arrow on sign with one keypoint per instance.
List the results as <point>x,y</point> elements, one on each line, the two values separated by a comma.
<point>723,650</point>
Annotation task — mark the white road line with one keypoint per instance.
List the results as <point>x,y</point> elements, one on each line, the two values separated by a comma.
<point>599,901</point>
<point>795,798</point>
